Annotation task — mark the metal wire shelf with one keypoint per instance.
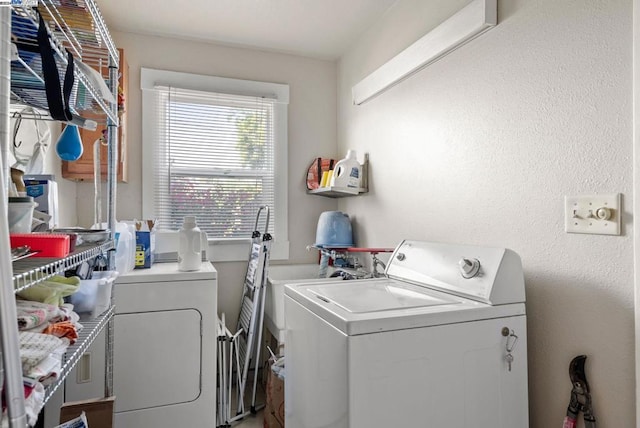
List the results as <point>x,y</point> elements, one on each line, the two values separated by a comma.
<point>76,26</point>
<point>86,337</point>
<point>29,272</point>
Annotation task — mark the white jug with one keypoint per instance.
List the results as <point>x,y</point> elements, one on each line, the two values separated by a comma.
<point>347,173</point>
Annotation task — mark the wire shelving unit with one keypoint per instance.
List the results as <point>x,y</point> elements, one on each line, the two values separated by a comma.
<point>74,26</point>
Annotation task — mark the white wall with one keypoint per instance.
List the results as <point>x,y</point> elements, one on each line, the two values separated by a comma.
<point>312,132</point>
<point>481,148</point>
<point>67,215</point>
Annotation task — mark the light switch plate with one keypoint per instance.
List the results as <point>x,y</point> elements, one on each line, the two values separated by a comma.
<point>594,214</point>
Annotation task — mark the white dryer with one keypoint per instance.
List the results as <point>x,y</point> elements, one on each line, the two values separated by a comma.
<point>440,342</point>
<point>165,347</point>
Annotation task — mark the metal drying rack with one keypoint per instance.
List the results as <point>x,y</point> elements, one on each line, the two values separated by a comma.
<point>77,27</point>
<point>239,351</point>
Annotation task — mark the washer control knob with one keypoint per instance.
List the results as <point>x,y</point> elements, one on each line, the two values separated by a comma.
<point>469,267</point>
<point>603,213</point>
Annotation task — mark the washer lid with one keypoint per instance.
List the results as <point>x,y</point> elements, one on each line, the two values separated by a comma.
<point>366,306</point>
<point>378,296</point>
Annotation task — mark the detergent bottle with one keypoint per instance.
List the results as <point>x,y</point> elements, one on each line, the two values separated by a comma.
<point>347,173</point>
<point>189,252</point>
<point>125,243</point>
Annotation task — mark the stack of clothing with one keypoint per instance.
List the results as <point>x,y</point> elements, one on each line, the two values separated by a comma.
<point>47,326</point>
<point>46,331</point>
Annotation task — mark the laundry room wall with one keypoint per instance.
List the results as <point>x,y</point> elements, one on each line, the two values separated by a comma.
<point>67,203</point>
<point>482,146</point>
<point>311,132</point>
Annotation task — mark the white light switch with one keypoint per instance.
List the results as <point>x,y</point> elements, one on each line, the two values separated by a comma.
<point>596,214</point>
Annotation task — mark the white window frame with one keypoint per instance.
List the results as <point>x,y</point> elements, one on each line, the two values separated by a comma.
<point>222,250</point>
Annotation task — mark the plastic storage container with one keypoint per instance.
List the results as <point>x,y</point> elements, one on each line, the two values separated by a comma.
<point>125,245</point>
<point>93,297</point>
<point>347,174</point>
<point>84,300</point>
<point>47,244</point>
<point>103,296</point>
<point>190,249</point>
<point>334,230</point>
<point>21,214</point>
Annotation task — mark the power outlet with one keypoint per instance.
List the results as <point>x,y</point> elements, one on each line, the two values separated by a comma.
<point>594,214</point>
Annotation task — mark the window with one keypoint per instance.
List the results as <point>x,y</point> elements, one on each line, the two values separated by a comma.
<point>215,148</point>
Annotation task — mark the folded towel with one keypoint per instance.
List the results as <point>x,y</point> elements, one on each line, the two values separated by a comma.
<point>35,347</point>
<point>31,319</point>
<point>33,403</point>
<point>65,329</point>
<point>52,291</point>
<point>33,314</point>
<point>47,370</point>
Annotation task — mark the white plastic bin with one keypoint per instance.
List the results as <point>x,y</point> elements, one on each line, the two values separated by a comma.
<point>94,295</point>
<point>21,214</point>
<point>103,297</point>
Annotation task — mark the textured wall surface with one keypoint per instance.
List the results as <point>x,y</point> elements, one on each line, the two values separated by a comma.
<point>481,148</point>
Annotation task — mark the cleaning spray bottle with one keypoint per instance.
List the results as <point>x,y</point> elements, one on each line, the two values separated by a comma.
<point>347,173</point>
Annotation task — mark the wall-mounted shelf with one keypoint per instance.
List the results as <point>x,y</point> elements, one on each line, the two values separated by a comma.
<point>336,192</point>
<point>343,192</point>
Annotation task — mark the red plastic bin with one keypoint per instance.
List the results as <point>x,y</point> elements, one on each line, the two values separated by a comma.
<point>48,244</point>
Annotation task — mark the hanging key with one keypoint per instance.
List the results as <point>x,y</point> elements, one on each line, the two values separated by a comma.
<point>510,344</point>
<point>509,359</point>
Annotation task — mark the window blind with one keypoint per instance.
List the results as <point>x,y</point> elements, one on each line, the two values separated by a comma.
<point>214,158</point>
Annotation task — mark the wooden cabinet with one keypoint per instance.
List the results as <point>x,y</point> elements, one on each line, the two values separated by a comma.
<point>82,169</point>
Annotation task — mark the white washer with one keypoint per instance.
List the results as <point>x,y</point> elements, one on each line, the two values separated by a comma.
<point>424,346</point>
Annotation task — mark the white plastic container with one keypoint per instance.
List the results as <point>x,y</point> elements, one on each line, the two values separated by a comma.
<point>103,295</point>
<point>125,245</point>
<point>347,173</point>
<point>190,249</point>
<point>93,297</point>
<point>21,214</point>
<point>84,299</point>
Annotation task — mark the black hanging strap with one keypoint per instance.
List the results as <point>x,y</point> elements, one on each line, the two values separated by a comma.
<point>57,99</point>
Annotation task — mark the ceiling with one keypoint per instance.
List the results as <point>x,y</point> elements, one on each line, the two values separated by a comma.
<point>316,28</point>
